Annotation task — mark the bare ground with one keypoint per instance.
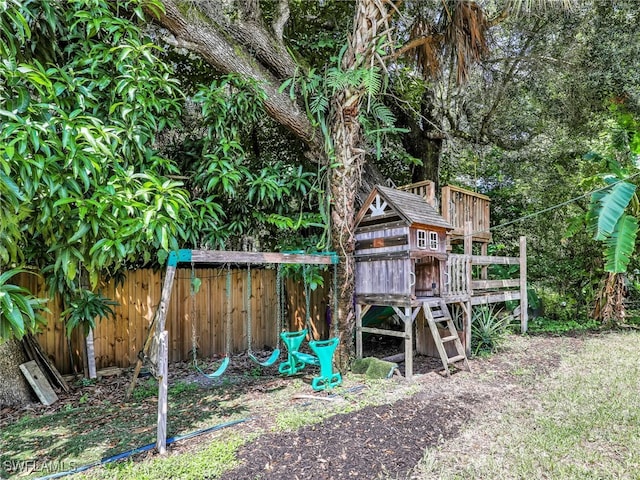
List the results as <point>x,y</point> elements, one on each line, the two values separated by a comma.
<point>387,441</point>
<point>364,439</point>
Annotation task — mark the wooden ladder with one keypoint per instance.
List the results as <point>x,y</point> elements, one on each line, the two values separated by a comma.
<point>438,312</point>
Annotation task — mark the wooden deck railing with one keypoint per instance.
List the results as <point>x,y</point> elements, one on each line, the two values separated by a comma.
<point>458,281</point>
<point>426,189</point>
<point>460,284</point>
<point>460,206</point>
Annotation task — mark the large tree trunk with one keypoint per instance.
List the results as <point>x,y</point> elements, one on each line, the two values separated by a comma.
<point>243,44</point>
<point>423,141</point>
<point>344,186</point>
<point>14,389</point>
<point>346,133</point>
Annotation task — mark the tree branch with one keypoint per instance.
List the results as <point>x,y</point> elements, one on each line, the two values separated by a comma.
<point>280,21</point>
<point>218,49</point>
<point>508,77</point>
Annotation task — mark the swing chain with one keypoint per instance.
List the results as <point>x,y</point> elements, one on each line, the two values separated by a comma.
<point>194,340</point>
<point>228,313</point>
<point>307,299</point>
<point>279,306</point>
<point>334,313</point>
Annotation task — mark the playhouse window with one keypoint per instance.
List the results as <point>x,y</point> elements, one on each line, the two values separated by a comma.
<point>433,240</point>
<point>421,239</point>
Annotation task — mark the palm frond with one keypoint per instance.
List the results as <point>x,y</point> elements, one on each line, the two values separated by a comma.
<point>425,46</point>
<point>465,29</point>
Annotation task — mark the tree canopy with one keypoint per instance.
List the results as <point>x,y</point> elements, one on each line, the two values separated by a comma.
<point>131,128</point>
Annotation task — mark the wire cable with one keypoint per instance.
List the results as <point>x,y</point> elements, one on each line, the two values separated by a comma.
<point>554,207</point>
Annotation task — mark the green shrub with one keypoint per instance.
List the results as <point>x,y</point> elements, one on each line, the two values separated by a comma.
<point>559,327</point>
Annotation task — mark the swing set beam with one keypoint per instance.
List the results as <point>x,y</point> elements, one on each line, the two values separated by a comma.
<point>208,256</point>
<point>220,256</point>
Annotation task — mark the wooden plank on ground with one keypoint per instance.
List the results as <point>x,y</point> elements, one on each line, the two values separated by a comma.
<point>38,382</point>
<point>35,353</point>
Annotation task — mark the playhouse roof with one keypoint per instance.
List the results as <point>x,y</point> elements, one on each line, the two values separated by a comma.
<point>412,207</point>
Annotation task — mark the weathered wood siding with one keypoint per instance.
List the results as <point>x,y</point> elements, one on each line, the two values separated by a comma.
<point>117,342</point>
<point>387,277</point>
<point>442,239</point>
<point>382,241</point>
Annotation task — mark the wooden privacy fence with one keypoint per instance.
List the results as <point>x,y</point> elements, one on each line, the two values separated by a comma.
<point>117,342</point>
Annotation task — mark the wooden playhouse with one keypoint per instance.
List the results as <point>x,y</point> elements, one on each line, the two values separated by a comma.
<point>404,266</point>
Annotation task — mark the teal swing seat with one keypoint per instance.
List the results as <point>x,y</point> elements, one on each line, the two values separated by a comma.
<point>195,287</point>
<point>296,361</point>
<point>275,355</point>
<point>324,350</point>
<point>292,340</point>
<point>219,371</point>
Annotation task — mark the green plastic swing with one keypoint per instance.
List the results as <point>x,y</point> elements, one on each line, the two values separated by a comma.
<point>323,349</point>
<point>275,355</point>
<point>195,287</point>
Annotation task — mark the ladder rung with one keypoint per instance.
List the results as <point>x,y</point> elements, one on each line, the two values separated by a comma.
<point>455,359</point>
<point>449,338</point>
<point>437,314</point>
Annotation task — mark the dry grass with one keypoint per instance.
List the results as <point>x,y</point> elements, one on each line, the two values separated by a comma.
<point>581,420</point>
<point>563,407</point>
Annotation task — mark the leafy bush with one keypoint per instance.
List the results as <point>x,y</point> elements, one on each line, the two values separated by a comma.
<point>559,327</point>
<point>19,309</point>
<point>489,329</point>
<point>84,308</point>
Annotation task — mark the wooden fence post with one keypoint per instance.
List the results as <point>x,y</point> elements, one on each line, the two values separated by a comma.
<point>91,354</point>
<point>163,370</point>
<point>468,251</point>
<point>524,301</point>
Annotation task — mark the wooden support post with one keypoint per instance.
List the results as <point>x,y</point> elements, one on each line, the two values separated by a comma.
<point>484,251</point>
<point>358,330</point>
<point>524,303</point>
<point>163,370</point>
<point>157,325</point>
<point>408,343</point>
<point>467,318</point>
<point>468,238</point>
<point>91,354</point>
<point>468,251</point>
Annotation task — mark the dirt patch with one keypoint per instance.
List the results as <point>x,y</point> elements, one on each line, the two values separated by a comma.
<point>381,431</point>
<point>385,438</point>
<point>387,441</point>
